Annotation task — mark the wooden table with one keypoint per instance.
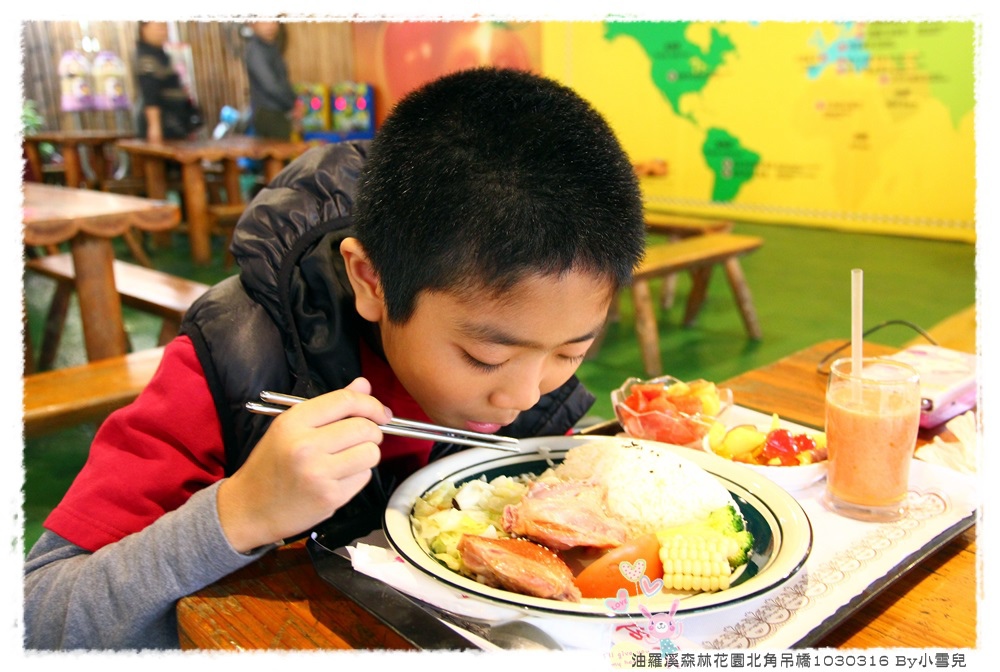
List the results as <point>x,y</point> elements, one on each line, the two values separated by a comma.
<point>89,220</point>
<point>281,603</point>
<point>150,159</point>
<point>70,143</point>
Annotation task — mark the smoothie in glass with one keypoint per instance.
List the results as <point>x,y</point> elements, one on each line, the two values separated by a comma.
<point>871,431</point>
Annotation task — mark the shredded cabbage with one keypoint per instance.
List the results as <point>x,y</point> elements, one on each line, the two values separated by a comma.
<point>444,514</point>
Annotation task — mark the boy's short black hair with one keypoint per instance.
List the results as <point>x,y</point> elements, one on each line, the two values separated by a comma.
<point>486,176</point>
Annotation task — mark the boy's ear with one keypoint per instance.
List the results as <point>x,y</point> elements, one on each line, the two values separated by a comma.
<point>367,289</point>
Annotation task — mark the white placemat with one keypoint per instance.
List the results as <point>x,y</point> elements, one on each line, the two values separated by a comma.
<point>847,556</point>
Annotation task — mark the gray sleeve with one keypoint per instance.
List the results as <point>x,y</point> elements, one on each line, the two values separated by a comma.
<point>124,595</point>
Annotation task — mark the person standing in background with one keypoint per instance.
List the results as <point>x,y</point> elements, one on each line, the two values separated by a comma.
<point>272,99</point>
<point>165,107</point>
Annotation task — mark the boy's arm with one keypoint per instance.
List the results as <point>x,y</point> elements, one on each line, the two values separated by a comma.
<point>143,462</point>
<point>124,595</point>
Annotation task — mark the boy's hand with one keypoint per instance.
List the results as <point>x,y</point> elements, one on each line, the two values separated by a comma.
<point>313,459</point>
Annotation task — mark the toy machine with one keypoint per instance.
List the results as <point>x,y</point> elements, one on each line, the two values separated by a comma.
<point>316,102</point>
<point>75,82</point>
<point>342,111</point>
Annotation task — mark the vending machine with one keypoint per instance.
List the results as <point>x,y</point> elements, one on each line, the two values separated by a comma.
<point>316,102</point>
<point>349,109</point>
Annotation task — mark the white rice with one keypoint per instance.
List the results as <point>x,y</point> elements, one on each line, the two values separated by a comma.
<point>649,488</point>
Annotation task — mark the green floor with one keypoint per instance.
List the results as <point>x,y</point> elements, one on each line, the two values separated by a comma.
<point>800,281</point>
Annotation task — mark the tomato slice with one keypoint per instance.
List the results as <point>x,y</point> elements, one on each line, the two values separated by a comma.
<point>672,428</point>
<point>603,577</point>
<point>661,405</point>
<point>784,447</point>
<point>649,389</point>
<point>688,404</point>
<point>636,401</point>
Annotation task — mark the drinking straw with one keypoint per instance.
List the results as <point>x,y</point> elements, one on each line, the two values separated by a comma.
<point>857,286</point>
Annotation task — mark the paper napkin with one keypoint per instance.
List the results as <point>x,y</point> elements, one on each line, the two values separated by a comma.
<point>387,566</point>
<point>961,454</point>
<point>380,562</point>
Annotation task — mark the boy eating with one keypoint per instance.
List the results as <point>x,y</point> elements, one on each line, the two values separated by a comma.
<point>456,273</point>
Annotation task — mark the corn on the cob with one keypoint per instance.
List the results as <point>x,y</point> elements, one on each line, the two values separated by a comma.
<point>695,559</point>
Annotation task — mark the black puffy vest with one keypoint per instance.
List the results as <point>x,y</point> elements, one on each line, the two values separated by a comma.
<point>287,322</point>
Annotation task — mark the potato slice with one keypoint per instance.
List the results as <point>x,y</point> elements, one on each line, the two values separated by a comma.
<point>820,439</point>
<point>708,393</point>
<point>679,389</point>
<point>716,435</point>
<point>741,440</point>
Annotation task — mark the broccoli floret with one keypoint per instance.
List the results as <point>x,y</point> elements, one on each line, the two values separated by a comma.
<point>745,541</point>
<point>729,521</point>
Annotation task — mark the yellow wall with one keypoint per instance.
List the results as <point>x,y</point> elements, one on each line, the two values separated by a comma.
<point>881,140</point>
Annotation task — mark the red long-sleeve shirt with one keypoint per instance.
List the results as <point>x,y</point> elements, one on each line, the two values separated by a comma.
<point>151,456</point>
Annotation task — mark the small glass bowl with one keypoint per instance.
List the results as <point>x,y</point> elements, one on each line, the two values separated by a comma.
<point>668,426</point>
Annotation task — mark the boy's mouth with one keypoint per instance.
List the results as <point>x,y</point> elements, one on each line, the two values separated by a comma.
<point>483,427</point>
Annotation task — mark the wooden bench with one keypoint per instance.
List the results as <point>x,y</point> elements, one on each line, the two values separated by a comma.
<point>145,289</point>
<point>699,255</point>
<point>676,227</point>
<point>68,396</point>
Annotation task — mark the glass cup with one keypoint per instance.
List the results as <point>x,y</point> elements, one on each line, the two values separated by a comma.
<point>871,431</point>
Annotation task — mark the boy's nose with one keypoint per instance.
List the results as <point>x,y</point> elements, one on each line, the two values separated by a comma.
<point>519,393</point>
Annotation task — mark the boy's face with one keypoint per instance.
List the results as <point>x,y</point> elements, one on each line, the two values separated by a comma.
<point>475,362</point>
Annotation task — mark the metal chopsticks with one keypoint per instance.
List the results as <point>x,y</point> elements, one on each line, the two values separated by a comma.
<point>275,403</point>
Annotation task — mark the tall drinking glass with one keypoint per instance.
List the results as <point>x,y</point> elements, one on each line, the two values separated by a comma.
<point>872,419</point>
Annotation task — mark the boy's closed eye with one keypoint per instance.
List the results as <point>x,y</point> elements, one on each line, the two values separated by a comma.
<point>481,365</point>
<point>570,359</point>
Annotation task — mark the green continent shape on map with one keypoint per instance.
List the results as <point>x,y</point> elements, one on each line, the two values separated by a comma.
<point>732,164</point>
<point>938,52</point>
<point>677,66</point>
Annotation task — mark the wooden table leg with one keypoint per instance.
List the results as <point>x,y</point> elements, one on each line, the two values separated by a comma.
<point>72,165</point>
<point>744,300</point>
<point>100,306</point>
<point>154,171</point>
<point>98,164</point>
<point>272,167</point>
<point>646,329</point>
<point>133,241</point>
<point>231,180</point>
<point>669,288</point>
<point>699,290</point>
<point>55,322</point>
<point>196,204</point>
<point>34,160</point>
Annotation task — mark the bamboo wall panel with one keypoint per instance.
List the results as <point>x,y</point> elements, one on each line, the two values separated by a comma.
<point>317,52</point>
<point>220,74</point>
<point>44,43</point>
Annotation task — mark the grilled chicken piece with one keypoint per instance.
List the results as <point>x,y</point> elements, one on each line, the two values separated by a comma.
<point>563,516</point>
<point>519,566</point>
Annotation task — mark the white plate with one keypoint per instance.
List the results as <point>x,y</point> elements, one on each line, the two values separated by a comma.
<point>781,529</point>
<point>790,478</point>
